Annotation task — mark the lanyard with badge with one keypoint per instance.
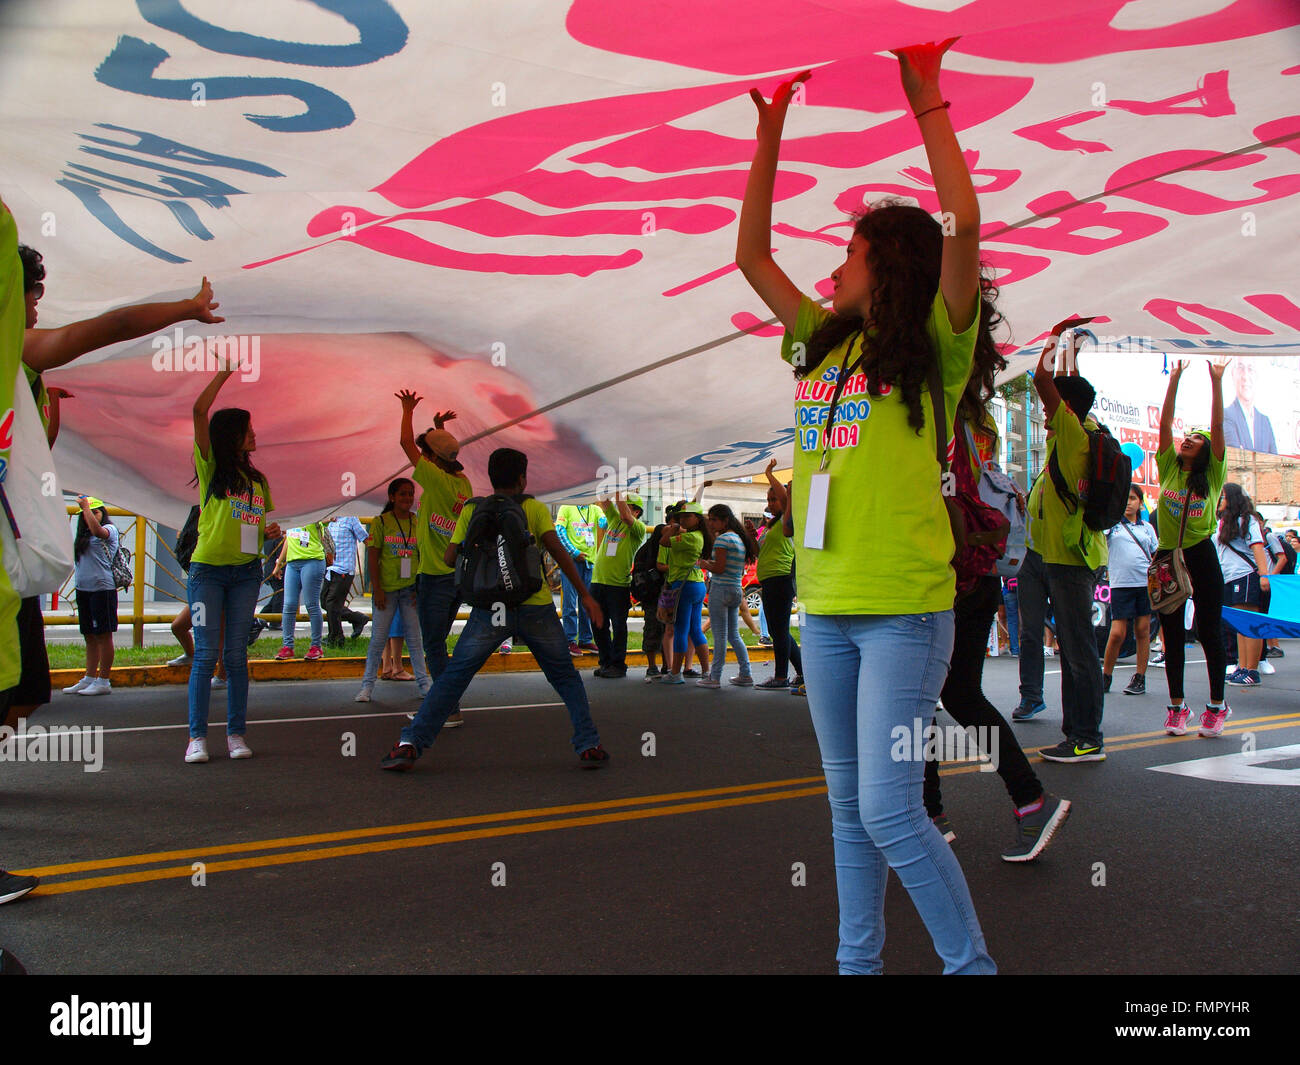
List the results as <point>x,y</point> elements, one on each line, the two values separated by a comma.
<point>404,552</point>
<point>819,484</point>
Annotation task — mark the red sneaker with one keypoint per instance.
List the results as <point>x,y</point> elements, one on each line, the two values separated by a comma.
<point>284,654</point>
<point>314,653</point>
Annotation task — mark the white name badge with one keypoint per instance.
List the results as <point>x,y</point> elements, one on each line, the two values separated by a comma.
<point>814,522</point>
<point>404,569</point>
<point>611,546</point>
<point>248,544</point>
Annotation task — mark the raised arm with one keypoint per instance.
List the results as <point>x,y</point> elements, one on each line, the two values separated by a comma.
<point>754,239</point>
<point>959,277</point>
<point>409,401</point>
<point>777,486</point>
<point>48,349</point>
<point>1167,411</point>
<point>1044,373</point>
<point>92,522</point>
<point>1218,443</point>
<point>201,407</point>
<point>565,561</point>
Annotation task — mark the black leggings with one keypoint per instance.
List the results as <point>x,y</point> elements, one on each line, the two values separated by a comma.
<point>778,597</point>
<point>1202,563</point>
<point>963,698</point>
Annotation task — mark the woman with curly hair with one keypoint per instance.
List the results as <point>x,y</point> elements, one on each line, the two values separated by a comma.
<point>873,544</point>
<point>1245,566</point>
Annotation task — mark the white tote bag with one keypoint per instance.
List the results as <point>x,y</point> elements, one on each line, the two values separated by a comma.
<point>35,537</point>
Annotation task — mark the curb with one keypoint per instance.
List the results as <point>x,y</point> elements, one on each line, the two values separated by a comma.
<point>338,669</point>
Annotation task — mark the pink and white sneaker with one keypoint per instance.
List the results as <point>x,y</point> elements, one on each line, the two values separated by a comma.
<point>1176,720</point>
<point>314,654</point>
<point>284,654</point>
<point>1212,720</point>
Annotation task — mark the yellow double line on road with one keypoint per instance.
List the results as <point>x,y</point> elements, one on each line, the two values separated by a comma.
<point>297,849</point>
<point>431,834</point>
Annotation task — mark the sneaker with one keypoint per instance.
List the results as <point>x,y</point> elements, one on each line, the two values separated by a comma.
<point>238,748</point>
<point>358,626</point>
<point>1034,831</point>
<point>401,758</point>
<point>1105,682</point>
<point>1230,669</point>
<point>743,680</point>
<point>593,757</point>
<point>1274,652</point>
<point>284,654</point>
<point>1157,659</point>
<point>1070,751</point>
<point>765,641</point>
<point>197,751</point>
<point>15,887</point>
<point>610,672</point>
<point>1243,678</point>
<point>708,682</point>
<point>84,682</point>
<point>454,721</point>
<point>575,650</point>
<point>97,686</point>
<point>652,674</point>
<point>1026,710</point>
<point>671,678</point>
<point>1176,720</point>
<point>945,828</point>
<point>798,681</point>
<point>219,682</point>
<point>505,648</point>
<point>1212,720</point>
<point>1137,686</point>
<point>314,654</point>
<point>589,648</point>
<point>799,689</point>
<point>182,660</point>
<point>363,696</point>
<point>692,673</point>
<point>1266,667</point>
<point>774,684</point>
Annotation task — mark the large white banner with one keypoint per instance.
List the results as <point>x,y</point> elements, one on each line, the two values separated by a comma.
<point>526,211</point>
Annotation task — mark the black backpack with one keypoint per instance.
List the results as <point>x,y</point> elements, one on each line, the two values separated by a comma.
<point>498,561</point>
<point>187,539</point>
<point>1104,493</point>
<point>647,581</point>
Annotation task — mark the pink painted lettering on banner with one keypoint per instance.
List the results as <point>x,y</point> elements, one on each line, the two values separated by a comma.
<point>1210,98</point>
<point>1279,308</point>
<point>1064,231</point>
<point>1017,265</point>
<point>747,323</point>
<point>1169,312</point>
<point>1151,189</point>
<point>1049,134</point>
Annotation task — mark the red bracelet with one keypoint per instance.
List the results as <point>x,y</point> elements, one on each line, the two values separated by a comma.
<point>937,107</point>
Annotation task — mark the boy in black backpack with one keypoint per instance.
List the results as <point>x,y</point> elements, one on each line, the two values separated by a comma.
<point>533,621</point>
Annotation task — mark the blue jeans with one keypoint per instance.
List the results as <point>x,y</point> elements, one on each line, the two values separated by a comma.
<point>868,676</point>
<point>689,621</point>
<point>400,603</point>
<point>302,579</point>
<point>221,597</point>
<point>1011,600</point>
<point>437,599</point>
<point>577,626</point>
<point>539,628</point>
<point>724,613</point>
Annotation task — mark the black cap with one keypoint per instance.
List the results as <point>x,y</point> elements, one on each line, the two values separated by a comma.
<point>1076,393</point>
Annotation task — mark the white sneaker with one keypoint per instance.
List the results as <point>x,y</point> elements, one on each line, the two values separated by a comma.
<point>363,696</point>
<point>237,748</point>
<point>1230,669</point>
<point>84,682</point>
<point>1266,667</point>
<point>183,660</point>
<point>197,751</point>
<point>97,686</point>
<point>218,682</point>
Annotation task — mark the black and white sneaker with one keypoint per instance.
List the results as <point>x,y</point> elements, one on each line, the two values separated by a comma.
<point>15,887</point>
<point>1034,831</point>
<point>1137,686</point>
<point>1070,751</point>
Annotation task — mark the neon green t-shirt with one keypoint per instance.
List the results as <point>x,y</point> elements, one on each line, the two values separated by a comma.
<point>395,539</point>
<point>613,564</point>
<point>223,539</point>
<point>13,319</point>
<point>684,552</point>
<point>888,545</point>
<point>775,553</point>
<point>580,525</point>
<point>1059,536</point>
<point>442,496</point>
<point>1202,519</point>
<point>539,524</point>
<point>42,394</point>
<point>305,542</point>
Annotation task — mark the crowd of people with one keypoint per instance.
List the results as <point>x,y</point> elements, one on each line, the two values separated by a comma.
<point>896,616</point>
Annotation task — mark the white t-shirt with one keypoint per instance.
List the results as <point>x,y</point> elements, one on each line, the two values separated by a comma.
<point>1234,566</point>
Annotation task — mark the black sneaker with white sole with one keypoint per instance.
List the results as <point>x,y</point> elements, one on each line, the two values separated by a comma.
<point>1071,751</point>
<point>1034,831</point>
<point>15,887</point>
<point>1137,686</point>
